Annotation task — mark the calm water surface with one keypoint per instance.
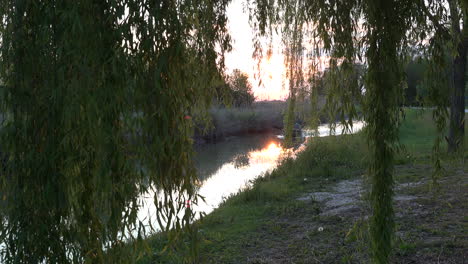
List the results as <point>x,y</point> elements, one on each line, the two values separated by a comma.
<point>229,166</point>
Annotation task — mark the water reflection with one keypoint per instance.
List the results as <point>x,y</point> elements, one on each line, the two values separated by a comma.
<point>224,169</point>
<point>241,160</point>
<point>236,174</point>
<point>324,130</point>
<point>227,167</point>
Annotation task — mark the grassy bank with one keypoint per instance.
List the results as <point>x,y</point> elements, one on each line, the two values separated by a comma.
<point>267,223</point>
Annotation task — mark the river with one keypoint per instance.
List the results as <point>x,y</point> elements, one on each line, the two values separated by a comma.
<point>227,167</point>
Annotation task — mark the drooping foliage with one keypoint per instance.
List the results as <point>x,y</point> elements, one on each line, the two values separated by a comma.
<point>94,100</point>
<point>449,39</point>
<point>373,32</point>
<point>446,55</point>
<point>95,97</point>
<point>415,90</point>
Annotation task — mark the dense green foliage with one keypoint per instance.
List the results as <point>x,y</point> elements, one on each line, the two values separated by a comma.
<point>415,91</point>
<point>379,34</point>
<point>95,99</point>
<point>449,39</point>
<point>240,89</point>
<point>94,103</point>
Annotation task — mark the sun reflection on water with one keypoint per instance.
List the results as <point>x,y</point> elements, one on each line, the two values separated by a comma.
<point>230,177</point>
<point>235,173</point>
<point>268,154</point>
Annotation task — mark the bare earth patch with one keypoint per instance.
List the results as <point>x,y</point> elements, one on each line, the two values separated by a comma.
<point>332,225</point>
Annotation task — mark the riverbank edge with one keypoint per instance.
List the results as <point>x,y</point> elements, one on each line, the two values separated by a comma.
<point>245,221</point>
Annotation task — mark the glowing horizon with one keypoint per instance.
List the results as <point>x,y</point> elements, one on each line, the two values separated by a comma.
<point>268,74</point>
<point>273,85</point>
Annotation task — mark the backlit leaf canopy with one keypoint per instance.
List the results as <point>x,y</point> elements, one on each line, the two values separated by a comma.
<point>95,95</point>
<point>94,100</point>
<point>379,34</point>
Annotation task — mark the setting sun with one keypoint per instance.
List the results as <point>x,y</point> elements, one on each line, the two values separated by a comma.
<point>270,80</point>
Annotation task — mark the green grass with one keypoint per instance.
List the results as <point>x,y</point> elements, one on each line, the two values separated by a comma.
<point>417,131</point>
<point>231,227</point>
<point>240,221</point>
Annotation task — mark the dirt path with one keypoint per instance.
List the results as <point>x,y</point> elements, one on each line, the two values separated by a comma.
<point>330,226</point>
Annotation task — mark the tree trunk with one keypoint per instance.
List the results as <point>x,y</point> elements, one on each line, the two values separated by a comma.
<point>457,100</point>
<point>457,97</point>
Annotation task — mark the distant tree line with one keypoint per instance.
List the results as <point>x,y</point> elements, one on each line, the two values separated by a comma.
<point>416,92</point>
<point>235,90</point>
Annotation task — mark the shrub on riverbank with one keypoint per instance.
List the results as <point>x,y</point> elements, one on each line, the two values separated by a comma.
<point>260,117</point>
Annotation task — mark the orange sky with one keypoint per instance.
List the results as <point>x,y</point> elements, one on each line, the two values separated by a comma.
<point>274,84</point>
<point>273,81</point>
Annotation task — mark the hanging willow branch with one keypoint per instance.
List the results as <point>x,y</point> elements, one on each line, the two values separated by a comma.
<point>94,98</point>
<point>350,30</point>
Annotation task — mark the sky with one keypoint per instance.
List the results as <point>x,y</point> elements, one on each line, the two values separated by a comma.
<point>272,71</point>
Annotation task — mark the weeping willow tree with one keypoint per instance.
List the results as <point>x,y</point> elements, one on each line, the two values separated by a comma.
<point>294,62</point>
<point>376,33</point>
<point>94,101</point>
<point>446,28</point>
<point>95,97</point>
<point>449,20</point>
